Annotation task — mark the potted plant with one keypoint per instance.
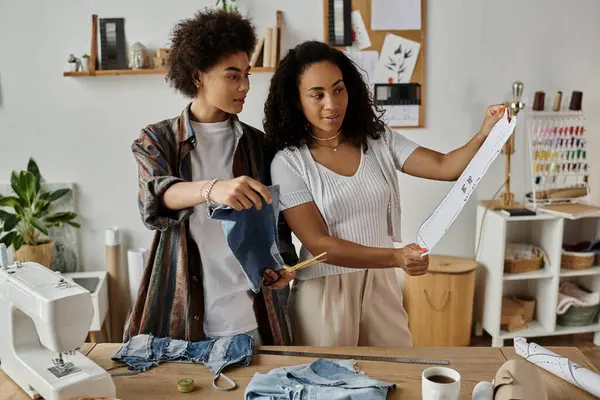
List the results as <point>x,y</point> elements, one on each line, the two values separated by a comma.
<point>85,62</point>
<point>228,5</point>
<point>26,226</point>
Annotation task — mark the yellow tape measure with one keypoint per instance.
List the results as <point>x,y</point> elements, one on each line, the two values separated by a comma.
<point>185,385</point>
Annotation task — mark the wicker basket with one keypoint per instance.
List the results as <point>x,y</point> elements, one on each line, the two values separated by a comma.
<point>579,316</point>
<point>519,265</point>
<point>577,259</point>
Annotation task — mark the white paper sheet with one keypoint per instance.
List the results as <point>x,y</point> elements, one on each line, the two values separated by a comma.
<point>559,366</point>
<point>401,15</point>
<point>433,228</point>
<point>367,62</point>
<point>136,261</point>
<point>397,60</point>
<point>361,40</point>
<point>397,115</point>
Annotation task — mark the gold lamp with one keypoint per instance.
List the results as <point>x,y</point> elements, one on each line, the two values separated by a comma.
<point>508,198</point>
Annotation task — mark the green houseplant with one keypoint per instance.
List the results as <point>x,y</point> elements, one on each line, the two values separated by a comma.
<point>228,5</point>
<point>26,217</point>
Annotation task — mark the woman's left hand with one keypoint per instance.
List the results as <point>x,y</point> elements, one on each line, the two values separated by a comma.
<point>492,115</point>
<point>278,279</point>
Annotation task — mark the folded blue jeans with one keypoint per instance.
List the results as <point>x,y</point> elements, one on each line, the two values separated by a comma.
<point>252,236</point>
<point>322,379</point>
<point>144,351</point>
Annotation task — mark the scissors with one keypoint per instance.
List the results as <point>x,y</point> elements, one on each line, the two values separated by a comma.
<point>302,265</point>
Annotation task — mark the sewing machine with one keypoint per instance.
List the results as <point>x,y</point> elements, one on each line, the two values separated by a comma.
<point>44,318</point>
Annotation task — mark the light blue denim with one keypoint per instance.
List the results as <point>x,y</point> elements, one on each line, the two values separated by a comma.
<point>252,236</point>
<point>143,352</point>
<point>322,379</point>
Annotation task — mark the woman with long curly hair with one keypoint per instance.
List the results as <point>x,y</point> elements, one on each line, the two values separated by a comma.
<point>193,287</point>
<point>336,167</point>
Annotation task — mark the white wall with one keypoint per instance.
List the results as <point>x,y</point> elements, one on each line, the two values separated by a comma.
<point>80,129</point>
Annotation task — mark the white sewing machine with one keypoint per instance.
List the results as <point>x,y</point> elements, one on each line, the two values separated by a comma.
<point>44,318</point>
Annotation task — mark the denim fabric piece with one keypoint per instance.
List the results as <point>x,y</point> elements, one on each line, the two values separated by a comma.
<point>253,237</point>
<point>320,380</point>
<point>143,352</point>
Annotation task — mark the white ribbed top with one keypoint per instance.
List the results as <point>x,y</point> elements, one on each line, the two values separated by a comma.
<point>356,206</point>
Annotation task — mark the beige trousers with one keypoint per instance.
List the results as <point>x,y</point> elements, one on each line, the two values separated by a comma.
<point>362,308</point>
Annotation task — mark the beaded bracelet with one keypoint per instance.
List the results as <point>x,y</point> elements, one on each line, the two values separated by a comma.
<point>207,190</point>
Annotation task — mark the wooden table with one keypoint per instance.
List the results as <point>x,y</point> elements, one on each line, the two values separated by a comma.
<point>475,364</point>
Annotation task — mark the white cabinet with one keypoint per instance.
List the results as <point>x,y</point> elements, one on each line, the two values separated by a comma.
<point>494,230</point>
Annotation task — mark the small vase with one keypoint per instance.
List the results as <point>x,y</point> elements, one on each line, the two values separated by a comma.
<point>85,64</point>
<point>41,254</point>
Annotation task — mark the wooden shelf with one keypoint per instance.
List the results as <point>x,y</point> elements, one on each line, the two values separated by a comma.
<point>154,71</point>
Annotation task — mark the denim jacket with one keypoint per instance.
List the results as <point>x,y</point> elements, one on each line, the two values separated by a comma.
<point>252,237</point>
<point>322,379</point>
<point>170,300</point>
<point>143,352</point>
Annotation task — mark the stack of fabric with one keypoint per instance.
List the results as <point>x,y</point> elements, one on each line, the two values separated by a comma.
<point>572,295</point>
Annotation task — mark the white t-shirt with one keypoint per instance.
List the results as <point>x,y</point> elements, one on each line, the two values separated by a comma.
<point>228,301</point>
<point>356,206</point>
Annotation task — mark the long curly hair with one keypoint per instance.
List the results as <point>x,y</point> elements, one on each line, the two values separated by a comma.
<point>198,43</point>
<point>284,122</point>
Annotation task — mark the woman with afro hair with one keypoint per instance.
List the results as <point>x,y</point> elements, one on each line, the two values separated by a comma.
<point>193,287</point>
<point>336,166</point>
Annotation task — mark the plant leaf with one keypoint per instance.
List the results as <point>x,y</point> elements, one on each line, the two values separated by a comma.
<point>42,208</point>
<point>10,201</point>
<point>10,222</point>
<point>57,194</point>
<point>15,184</point>
<point>74,224</point>
<point>8,238</point>
<point>4,215</point>
<point>19,210</point>
<point>31,187</point>
<point>40,226</point>
<point>35,171</point>
<point>18,242</point>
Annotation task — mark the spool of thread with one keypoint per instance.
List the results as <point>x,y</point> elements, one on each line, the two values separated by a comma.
<point>538,101</point>
<point>113,270</point>
<point>185,385</point>
<point>557,101</point>
<point>3,256</point>
<point>136,262</point>
<point>483,391</point>
<point>576,98</point>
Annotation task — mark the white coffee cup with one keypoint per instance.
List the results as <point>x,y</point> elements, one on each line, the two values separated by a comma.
<point>440,383</point>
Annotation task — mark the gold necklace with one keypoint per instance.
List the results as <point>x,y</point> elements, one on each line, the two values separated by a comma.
<point>322,139</point>
<point>333,148</point>
<point>326,139</point>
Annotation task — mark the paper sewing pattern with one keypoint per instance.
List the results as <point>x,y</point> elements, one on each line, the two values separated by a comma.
<point>395,15</point>
<point>433,228</point>
<point>397,59</point>
<point>361,35</point>
<point>366,62</point>
<point>399,115</point>
<point>560,366</point>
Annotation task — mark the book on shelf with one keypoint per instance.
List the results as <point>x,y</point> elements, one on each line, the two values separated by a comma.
<point>572,210</point>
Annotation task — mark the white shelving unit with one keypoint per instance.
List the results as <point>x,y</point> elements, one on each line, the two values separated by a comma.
<point>494,230</point>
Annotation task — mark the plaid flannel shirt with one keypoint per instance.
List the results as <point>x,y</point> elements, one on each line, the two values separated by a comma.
<point>170,299</point>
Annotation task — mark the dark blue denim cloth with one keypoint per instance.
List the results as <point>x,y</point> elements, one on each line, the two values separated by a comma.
<point>252,236</point>
<point>144,351</point>
<point>322,379</point>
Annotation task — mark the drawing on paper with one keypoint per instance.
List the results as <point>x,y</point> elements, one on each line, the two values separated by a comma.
<point>397,60</point>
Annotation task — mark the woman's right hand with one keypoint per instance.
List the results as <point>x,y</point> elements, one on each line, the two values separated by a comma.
<point>409,259</point>
<point>240,193</point>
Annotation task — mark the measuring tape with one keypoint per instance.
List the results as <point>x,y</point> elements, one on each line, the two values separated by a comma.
<point>433,228</point>
<point>352,357</point>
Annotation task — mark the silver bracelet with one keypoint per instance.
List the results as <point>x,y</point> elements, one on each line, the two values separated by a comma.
<point>207,190</point>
